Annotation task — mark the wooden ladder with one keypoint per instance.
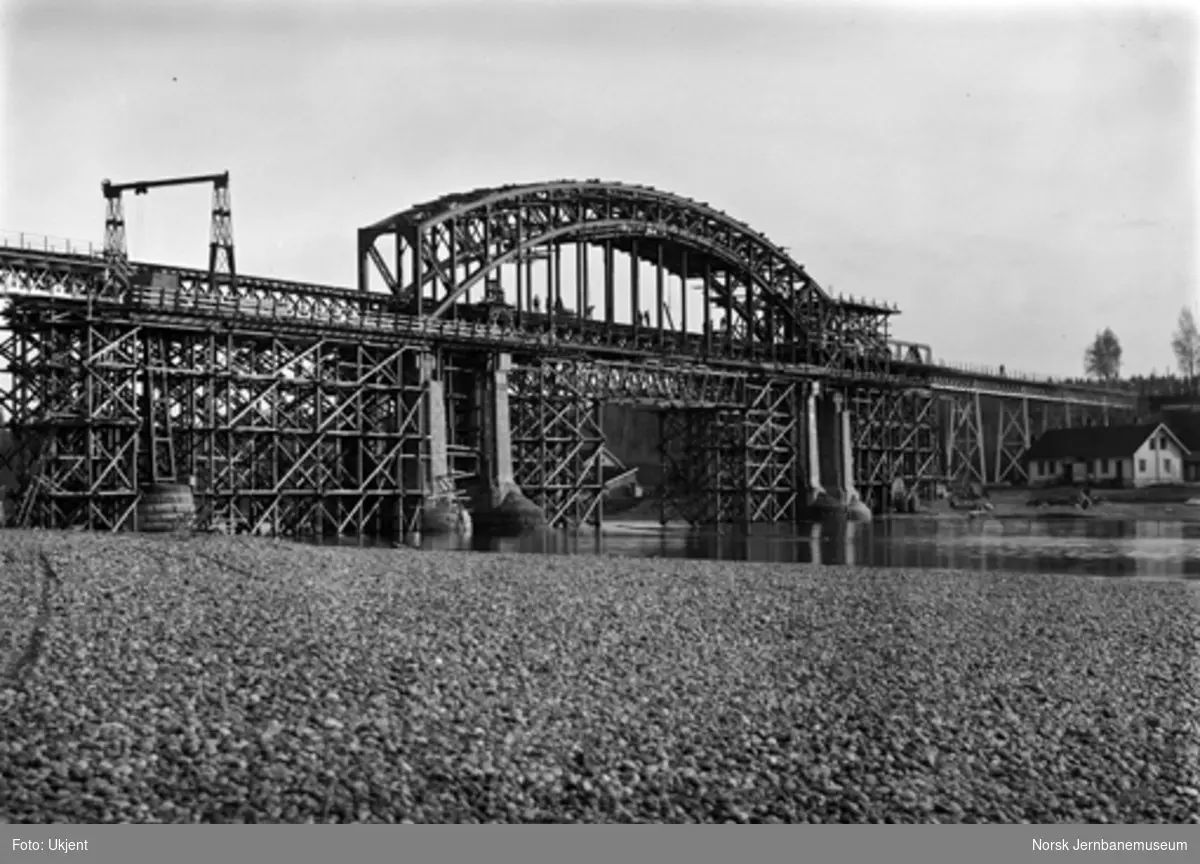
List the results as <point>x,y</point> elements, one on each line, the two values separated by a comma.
<point>33,493</point>
<point>160,442</point>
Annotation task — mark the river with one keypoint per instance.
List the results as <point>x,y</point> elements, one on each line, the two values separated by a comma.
<point>1110,547</point>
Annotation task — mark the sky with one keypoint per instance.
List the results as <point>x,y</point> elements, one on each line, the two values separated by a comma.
<point>1015,176</point>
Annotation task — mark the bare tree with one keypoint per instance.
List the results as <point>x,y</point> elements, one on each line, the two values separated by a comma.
<point>1103,357</point>
<point>1186,344</point>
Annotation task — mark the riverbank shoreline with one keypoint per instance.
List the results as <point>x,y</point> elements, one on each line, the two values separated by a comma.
<point>228,678</point>
<point>1147,505</point>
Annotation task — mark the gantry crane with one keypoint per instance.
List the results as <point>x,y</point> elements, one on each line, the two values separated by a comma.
<point>157,432</point>
<point>220,247</point>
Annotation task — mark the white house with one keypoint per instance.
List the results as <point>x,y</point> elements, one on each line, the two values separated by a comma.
<point>1143,454</point>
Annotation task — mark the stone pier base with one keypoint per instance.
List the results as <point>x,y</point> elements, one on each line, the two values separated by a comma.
<point>503,510</point>
<point>443,515</point>
<point>839,503</point>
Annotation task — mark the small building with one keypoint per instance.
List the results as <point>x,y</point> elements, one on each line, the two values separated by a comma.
<point>1184,421</point>
<point>1191,467</point>
<point>1143,454</point>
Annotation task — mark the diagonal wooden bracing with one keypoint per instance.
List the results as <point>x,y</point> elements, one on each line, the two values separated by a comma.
<point>557,440</point>
<point>702,479</point>
<point>734,463</point>
<point>987,434</point>
<point>966,458</point>
<point>301,408</point>
<point>279,434</point>
<point>895,433</point>
<point>773,484</point>
<point>74,414</point>
<point>301,435</point>
<point>1013,437</point>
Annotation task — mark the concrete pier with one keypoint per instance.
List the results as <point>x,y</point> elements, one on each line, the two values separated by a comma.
<point>831,489</point>
<point>498,505</point>
<point>441,511</point>
<point>856,508</point>
<point>812,436</point>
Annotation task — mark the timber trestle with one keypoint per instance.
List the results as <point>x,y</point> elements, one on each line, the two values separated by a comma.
<point>294,409</point>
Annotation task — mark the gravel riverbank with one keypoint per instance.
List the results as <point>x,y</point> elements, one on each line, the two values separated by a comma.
<point>219,679</point>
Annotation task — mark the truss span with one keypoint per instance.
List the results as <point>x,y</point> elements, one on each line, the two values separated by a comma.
<point>443,249</point>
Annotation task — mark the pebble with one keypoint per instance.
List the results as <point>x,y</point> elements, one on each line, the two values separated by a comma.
<point>538,688</point>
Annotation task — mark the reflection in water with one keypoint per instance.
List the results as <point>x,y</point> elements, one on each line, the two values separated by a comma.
<point>1091,546</point>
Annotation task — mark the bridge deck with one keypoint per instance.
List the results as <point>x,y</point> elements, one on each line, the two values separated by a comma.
<point>182,298</point>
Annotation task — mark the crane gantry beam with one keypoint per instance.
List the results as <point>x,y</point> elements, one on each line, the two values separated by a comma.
<point>220,248</point>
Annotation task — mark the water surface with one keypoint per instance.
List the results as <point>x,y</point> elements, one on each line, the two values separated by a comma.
<point>1111,547</point>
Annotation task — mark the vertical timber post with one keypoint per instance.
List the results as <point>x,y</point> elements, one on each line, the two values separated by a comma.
<point>1026,435</point>
<point>980,438</point>
<point>1000,441</point>
<point>948,440</point>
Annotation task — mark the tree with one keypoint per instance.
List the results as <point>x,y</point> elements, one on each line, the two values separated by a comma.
<point>1103,357</point>
<point>1186,344</point>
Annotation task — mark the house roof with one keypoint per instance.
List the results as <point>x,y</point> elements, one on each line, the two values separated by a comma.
<point>1095,442</point>
<point>1186,426</point>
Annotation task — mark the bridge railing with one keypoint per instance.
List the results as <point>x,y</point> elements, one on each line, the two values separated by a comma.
<point>49,243</point>
<point>1027,377</point>
<point>993,371</point>
<point>915,352</point>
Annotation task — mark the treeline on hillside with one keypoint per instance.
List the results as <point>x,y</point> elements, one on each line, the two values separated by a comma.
<point>1103,357</point>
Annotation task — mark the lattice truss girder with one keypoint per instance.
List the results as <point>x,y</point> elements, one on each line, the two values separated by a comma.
<point>77,276</point>
<point>557,439</point>
<point>894,433</point>
<point>162,288</point>
<point>444,248</point>
<point>37,274</point>
<point>658,384</point>
<point>182,288</point>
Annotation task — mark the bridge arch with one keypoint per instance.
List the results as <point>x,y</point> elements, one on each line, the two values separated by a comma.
<point>446,247</point>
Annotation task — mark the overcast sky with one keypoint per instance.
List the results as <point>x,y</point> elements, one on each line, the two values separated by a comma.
<point>1015,177</point>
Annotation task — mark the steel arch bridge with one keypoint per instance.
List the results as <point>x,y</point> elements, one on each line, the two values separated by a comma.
<point>741,294</point>
<point>300,404</point>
